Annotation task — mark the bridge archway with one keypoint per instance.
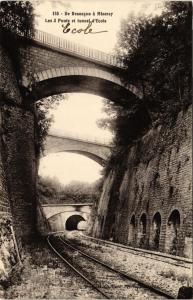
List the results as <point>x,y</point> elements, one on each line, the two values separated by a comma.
<point>93,80</point>
<point>94,150</point>
<point>89,155</point>
<point>92,156</point>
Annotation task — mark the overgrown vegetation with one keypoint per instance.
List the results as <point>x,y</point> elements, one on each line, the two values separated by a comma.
<point>184,278</point>
<point>50,190</point>
<point>16,18</point>
<point>44,119</point>
<point>16,28</point>
<point>156,52</point>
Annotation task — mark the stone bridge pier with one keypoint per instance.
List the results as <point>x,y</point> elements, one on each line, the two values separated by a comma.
<point>17,156</point>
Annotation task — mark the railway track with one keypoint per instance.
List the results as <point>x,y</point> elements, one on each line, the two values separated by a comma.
<point>144,253</point>
<point>105,280</point>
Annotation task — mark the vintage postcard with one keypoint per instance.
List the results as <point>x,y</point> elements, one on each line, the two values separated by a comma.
<point>95,149</point>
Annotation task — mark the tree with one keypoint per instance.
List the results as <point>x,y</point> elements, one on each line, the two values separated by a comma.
<point>50,190</point>
<point>16,28</point>
<point>156,53</point>
<point>16,18</point>
<point>43,118</point>
<point>77,191</point>
<point>109,121</point>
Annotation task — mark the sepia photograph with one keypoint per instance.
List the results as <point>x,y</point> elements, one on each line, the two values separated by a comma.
<point>96,149</point>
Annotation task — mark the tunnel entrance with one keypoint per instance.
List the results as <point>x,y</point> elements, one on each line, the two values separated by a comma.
<point>156,230</point>
<point>72,222</point>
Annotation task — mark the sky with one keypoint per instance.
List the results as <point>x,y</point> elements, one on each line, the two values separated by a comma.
<point>78,115</point>
<point>104,41</point>
<point>69,167</point>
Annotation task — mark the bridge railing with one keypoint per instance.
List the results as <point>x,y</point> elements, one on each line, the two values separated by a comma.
<point>66,45</point>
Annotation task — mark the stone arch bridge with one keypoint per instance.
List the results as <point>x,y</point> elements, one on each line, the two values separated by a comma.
<point>94,150</point>
<point>61,66</point>
<point>58,66</point>
<point>65,216</point>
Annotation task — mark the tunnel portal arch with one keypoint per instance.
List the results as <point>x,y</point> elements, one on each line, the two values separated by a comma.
<point>72,222</point>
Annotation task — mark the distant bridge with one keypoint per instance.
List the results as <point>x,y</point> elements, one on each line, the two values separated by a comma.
<point>66,216</point>
<point>96,151</point>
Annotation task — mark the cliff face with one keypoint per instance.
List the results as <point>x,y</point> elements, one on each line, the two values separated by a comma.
<point>8,88</point>
<point>146,199</point>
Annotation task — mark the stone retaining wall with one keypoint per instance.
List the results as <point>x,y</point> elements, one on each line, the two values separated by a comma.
<point>157,179</point>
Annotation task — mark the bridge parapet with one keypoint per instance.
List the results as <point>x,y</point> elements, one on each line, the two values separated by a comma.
<point>51,210</point>
<point>84,139</point>
<point>75,48</point>
<point>95,151</point>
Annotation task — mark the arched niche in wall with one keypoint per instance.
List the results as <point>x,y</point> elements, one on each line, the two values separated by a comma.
<point>156,227</point>
<point>132,230</point>
<point>142,230</point>
<point>172,232</point>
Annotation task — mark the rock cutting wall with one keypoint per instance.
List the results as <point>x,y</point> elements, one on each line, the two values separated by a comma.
<point>17,167</point>
<point>151,204</point>
<point>8,256</point>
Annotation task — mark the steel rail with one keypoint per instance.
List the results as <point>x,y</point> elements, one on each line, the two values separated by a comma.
<point>144,253</point>
<point>122,274</point>
<point>75,270</point>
